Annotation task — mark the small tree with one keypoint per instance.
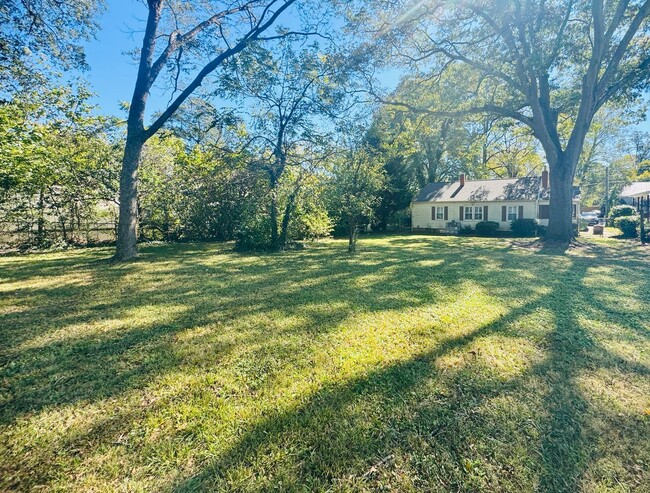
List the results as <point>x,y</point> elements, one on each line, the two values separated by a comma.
<point>292,92</point>
<point>357,179</point>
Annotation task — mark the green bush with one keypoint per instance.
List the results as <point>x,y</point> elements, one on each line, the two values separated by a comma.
<point>254,235</point>
<point>622,211</point>
<point>524,227</point>
<point>310,225</point>
<point>584,224</point>
<point>466,229</point>
<point>629,225</point>
<point>487,228</point>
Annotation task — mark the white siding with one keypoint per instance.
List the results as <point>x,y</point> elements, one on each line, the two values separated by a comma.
<point>421,213</point>
<point>422,218</point>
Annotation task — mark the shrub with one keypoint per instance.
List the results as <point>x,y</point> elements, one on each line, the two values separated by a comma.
<point>487,228</point>
<point>622,211</point>
<point>254,235</point>
<point>584,224</point>
<point>466,229</point>
<point>310,225</point>
<point>524,227</point>
<point>629,225</point>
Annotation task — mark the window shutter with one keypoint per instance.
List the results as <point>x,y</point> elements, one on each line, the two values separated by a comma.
<point>461,216</point>
<point>504,214</point>
<point>446,213</point>
<point>433,213</point>
<point>485,216</point>
<point>521,212</point>
<point>543,211</point>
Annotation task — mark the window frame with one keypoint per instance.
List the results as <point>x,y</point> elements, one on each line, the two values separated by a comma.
<point>470,209</point>
<point>515,212</point>
<point>478,211</point>
<point>440,213</point>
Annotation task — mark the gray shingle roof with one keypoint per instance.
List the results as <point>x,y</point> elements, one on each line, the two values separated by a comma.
<point>636,188</point>
<point>514,189</point>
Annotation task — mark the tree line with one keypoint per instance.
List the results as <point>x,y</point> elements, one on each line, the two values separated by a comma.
<point>278,126</point>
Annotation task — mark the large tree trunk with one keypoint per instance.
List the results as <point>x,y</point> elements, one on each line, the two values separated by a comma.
<point>136,136</point>
<point>560,224</point>
<point>127,230</point>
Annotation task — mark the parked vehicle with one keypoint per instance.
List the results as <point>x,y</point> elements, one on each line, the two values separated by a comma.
<point>591,218</point>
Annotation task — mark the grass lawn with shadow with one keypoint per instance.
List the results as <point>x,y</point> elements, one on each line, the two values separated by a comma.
<point>418,364</point>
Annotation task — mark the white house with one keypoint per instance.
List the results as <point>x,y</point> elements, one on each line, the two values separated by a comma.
<point>470,201</point>
<point>636,193</point>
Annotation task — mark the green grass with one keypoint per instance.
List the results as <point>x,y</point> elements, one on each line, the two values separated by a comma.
<point>419,364</point>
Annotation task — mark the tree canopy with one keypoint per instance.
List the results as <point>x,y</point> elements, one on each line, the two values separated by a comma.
<point>39,35</point>
<point>549,65</point>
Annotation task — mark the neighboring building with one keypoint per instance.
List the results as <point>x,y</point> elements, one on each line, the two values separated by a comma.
<point>439,206</point>
<point>636,191</point>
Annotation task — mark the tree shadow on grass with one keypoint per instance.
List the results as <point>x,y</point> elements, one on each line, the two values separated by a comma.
<point>433,430</point>
<point>58,353</point>
<point>338,436</point>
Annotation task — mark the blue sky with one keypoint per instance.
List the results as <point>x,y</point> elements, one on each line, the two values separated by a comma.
<point>112,73</point>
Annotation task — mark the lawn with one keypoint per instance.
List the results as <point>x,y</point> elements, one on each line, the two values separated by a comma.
<point>418,364</point>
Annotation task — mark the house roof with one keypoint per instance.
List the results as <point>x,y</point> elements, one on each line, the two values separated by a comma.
<point>636,189</point>
<point>527,188</point>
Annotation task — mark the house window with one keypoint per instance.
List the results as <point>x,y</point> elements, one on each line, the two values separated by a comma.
<point>512,212</point>
<point>544,211</point>
<point>440,212</point>
<point>468,214</point>
<point>478,213</point>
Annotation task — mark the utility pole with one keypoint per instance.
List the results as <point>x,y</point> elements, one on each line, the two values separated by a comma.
<point>606,193</point>
<point>642,210</point>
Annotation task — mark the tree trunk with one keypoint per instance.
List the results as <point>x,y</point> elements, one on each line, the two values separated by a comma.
<point>560,224</point>
<point>127,229</point>
<point>284,231</point>
<point>136,137</point>
<point>352,234</point>
<point>286,219</point>
<point>64,231</point>
<point>40,222</point>
<point>165,225</point>
<point>275,240</point>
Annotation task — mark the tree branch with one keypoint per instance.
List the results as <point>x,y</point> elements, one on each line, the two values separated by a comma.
<point>251,36</point>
